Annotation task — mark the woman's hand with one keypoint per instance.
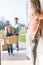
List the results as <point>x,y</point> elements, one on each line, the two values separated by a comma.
<point>27,27</point>
<point>33,40</point>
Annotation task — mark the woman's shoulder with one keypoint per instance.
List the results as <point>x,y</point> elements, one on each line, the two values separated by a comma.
<point>33,16</point>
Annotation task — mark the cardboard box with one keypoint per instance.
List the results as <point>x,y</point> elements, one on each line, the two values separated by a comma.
<point>8,40</point>
<point>11,40</point>
<point>4,47</point>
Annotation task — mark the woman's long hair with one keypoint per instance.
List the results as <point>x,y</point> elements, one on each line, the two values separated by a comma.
<point>36,5</point>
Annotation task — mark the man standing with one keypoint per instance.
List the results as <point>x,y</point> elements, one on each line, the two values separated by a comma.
<point>17,28</point>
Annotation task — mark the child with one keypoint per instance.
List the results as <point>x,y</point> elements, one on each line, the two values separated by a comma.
<point>8,34</point>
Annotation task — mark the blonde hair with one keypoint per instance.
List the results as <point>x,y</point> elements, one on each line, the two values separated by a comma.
<point>36,5</point>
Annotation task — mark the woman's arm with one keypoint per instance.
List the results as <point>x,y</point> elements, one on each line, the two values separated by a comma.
<point>27,27</point>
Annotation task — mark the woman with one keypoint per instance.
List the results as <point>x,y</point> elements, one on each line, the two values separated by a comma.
<point>34,30</point>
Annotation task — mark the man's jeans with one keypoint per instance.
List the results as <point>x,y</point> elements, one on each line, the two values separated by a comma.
<point>10,48</point>
<point>17,44</point>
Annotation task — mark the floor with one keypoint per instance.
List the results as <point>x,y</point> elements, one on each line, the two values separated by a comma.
<point>20,57</point>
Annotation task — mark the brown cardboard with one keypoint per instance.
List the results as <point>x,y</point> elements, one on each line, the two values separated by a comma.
<point>4,47</point>
<point>11,40</point>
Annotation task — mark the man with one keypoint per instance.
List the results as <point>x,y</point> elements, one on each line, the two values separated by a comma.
<point>17,28</point>
<point>34,30</point>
